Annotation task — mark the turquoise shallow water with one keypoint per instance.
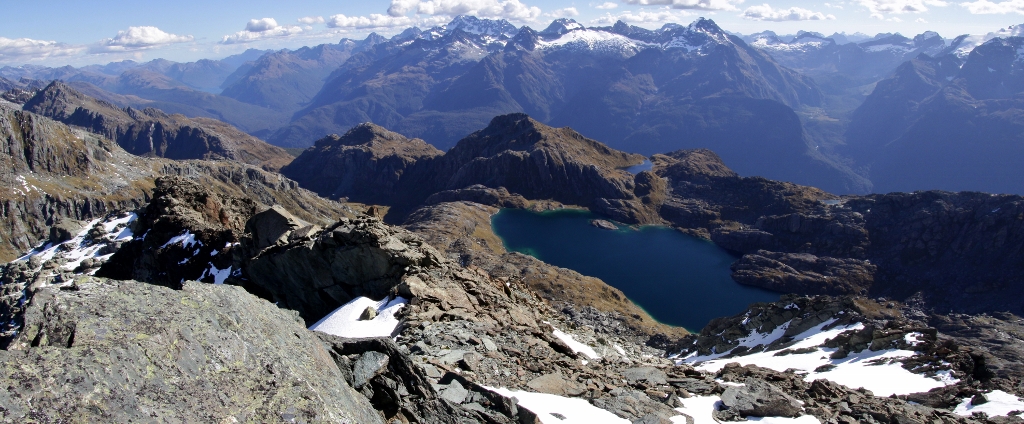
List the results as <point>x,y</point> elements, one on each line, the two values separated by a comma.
<point>678,279</point>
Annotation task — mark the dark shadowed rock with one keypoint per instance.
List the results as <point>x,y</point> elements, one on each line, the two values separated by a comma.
<point>272,226</point>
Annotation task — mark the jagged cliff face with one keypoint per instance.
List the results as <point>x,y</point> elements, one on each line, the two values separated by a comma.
<point>151,132</point>
<point>54,171</point>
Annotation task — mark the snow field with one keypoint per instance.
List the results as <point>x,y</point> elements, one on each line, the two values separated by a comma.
<point>878,371</point>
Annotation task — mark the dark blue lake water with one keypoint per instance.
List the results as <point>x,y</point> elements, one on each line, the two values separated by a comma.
<point>678,279</point>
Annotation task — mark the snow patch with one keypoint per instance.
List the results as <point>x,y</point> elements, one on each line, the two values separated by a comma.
<point>186,239</point>
<point>878,371</point>
<point>574,411</point>
<point>999,403</point>
<point>78,249</point>
<point>344,321</point>
<point>219,275</point>
<point>575,345</point>
<point>700,408</point>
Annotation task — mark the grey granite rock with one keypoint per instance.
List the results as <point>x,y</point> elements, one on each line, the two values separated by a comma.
<point>759,399</point>
<point>122,351</point>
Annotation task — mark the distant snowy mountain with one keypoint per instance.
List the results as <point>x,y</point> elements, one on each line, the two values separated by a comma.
<point>965,44</point>
<point>626,41</point>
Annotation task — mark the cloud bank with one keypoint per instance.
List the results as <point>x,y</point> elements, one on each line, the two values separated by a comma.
<point>21,49</point>
<point>986,7</point>
<point>512,10</point>
<point>765,12</point>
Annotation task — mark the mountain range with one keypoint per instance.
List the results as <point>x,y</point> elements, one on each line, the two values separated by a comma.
<point>805,108</point>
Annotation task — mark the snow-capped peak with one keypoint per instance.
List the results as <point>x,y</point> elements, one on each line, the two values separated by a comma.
<point>561,26</point>
<point>484,27</point>
<point>965,44</point>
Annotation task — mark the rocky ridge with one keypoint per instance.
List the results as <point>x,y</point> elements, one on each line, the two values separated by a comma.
<point>516,153</point>
<point>151,132</point>
<point>53,171</point>
<point>956,249</point>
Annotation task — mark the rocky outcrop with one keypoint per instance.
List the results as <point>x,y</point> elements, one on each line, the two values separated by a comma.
<point>804,273</point>
<point>368,164</point>
<point>758,399</point>
<point>959,250</point>
<point>358,257</point>
<point>480,194</point>
<point>151,132</point>
<point>109,350</point>
<point>186,229</point>
<point>514,153</point>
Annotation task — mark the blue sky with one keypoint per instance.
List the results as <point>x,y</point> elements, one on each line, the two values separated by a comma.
<point>53,33</point>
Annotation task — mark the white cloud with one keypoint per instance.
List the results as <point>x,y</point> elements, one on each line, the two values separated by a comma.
<point>261,25</point>
<point>513,10</point>
<point>689,4</point>
<point>986,7</point>
<point>260,29</point>
<point>607,5</point>
<point>833,6</point>
<point>878,7</point>
<point>564,13</point>
<point>138,38</point>
<point>921,21</point>
<point>765,12</point>
<point>365,22</point>
<point>22,49</point>
<point>643,17</point>
<point>310,20</point>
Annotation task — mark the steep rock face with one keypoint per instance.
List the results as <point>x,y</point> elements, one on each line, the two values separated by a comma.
<point>961,250</point>
<point>366,165</point>
<point>203,353</point>
<point>50,171</point>
<point>152,132</point>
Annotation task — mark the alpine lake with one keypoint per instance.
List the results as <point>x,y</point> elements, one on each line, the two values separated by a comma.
<point>678,279</point>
